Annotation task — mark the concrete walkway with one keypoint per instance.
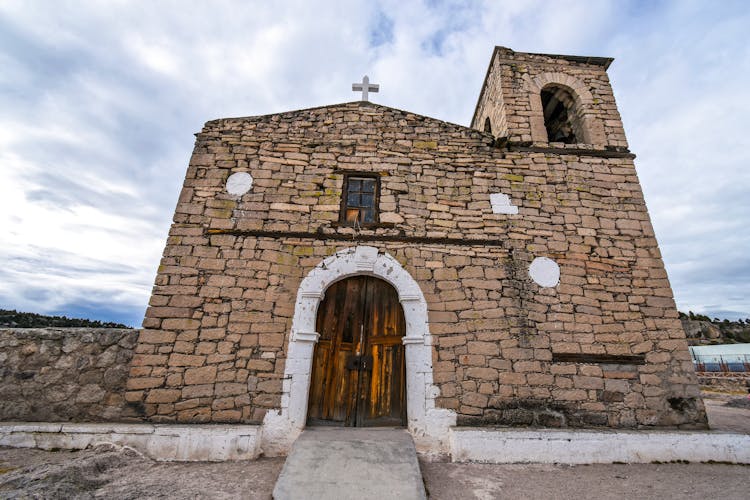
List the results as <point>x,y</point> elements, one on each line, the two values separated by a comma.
<point>343,463</point>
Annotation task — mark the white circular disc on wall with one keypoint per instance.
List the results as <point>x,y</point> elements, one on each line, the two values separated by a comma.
<point>239,183</point>
<point>545,272</point>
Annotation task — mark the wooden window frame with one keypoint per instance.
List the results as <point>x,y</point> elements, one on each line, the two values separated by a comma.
<point>345,195</point>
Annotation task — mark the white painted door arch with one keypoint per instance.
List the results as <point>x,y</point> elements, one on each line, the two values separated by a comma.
<point>428,425</point>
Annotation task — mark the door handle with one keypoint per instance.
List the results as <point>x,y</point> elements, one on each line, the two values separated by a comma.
<point>353,362</point>
<point>359,362</point>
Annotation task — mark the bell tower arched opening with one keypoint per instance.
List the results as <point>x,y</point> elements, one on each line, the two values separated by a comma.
<point>561,116</point>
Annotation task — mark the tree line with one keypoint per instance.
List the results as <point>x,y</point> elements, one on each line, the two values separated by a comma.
<point>15,319</point>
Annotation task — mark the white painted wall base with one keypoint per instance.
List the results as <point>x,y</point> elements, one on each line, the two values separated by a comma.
<point>183,443</point>
<point>165,442</point>
<point>502,446</point>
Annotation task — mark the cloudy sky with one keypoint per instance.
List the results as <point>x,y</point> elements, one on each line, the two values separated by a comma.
<point>99,101</point>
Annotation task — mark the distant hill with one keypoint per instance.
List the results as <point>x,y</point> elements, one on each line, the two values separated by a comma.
<point>701,329</point>
<point>15,319</point>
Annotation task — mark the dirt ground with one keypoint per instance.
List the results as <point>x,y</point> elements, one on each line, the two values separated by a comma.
<point>728,412</point>
<point>117,473</point>
<point>612,481</point>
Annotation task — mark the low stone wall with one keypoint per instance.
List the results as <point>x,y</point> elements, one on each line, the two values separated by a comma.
<point>65,374</point>
<point>734,382</point>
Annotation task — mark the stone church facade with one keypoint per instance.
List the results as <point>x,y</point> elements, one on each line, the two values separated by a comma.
<point>527,281</point>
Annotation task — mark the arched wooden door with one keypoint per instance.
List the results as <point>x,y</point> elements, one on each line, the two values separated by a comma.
<point>358,375</point>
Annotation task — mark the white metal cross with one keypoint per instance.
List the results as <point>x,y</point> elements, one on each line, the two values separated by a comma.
<point>365,87</point>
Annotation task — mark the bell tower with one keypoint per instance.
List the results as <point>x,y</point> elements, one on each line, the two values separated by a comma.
<point>547,100</point>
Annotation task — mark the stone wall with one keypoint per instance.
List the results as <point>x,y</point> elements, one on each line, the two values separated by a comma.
<point>65,374</point>
<point>726,382</point>
<point>216,333</point>
<point>491,106</point>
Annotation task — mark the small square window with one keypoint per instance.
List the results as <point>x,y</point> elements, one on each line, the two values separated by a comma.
<point>360,200</point>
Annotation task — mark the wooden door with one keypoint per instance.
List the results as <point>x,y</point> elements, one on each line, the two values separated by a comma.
<point>358,375</point>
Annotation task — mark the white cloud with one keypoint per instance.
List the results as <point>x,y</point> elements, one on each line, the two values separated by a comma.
<point>99,101</point>
<point>679,86</point>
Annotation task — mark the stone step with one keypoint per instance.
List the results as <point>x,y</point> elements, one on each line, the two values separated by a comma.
<point>342,463</point>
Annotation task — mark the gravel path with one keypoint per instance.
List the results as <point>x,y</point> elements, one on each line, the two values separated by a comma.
<point>118,474</point>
